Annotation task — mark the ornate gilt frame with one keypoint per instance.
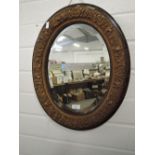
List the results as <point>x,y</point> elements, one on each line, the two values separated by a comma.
<point>119,57</point>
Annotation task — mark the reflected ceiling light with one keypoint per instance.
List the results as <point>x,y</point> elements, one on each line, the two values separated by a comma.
<point>76,45</point>
<point>61,38</point>
<point>57,48</point>
<point>86,48</point>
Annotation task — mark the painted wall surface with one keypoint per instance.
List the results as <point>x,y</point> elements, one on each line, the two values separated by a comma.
<point>39,135</point>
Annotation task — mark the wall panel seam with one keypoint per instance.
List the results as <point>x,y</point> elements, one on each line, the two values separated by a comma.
<point>30,1</point>
<point>34,94</point>
<point>126,125</point>
<point>41,22</point>
<point>75,143</point>
<point>32,47</point>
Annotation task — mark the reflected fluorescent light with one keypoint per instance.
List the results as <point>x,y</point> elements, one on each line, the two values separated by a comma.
<point>76,45</point>
<point>61,38</point>
<point>86,48</point>
<point>57,48</point>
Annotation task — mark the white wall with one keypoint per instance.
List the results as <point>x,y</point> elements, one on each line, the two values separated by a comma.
<point>39,135</point>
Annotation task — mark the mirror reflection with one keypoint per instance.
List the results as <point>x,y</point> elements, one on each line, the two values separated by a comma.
<point>78,69</point>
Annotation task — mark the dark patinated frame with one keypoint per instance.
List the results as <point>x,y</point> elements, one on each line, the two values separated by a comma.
<point>119,59</point>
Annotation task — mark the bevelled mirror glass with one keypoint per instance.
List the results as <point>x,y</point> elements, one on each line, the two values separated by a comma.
<point>78,69</point>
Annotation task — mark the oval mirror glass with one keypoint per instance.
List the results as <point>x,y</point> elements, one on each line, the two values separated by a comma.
<point>78,69</point>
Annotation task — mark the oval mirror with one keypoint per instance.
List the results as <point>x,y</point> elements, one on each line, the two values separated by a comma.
<point>78,69</point>
<point>81,66</point>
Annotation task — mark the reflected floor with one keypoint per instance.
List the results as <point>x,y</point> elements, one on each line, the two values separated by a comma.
<point>81,104</point>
